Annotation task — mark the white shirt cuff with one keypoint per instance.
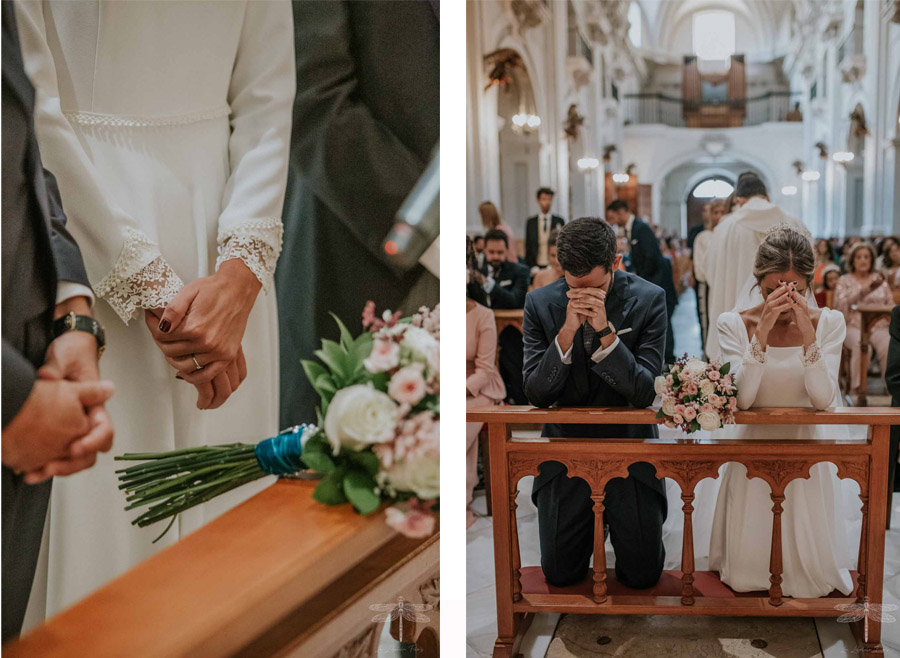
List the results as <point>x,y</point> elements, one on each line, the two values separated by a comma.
<point>567,357</point>
<point>489,285</point>
<point>604,352</point>
<point>69,289</point>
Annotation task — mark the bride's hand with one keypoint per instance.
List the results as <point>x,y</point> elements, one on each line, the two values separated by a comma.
<point>206,322</point>
<point>212,395</point>
<point>802,317</point>
<point>776,303</point>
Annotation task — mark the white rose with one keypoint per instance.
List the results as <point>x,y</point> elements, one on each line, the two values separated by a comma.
<point>359,416</point>
<point>659,385</point>
<point>668,406</point>
<point>422,346</point>
<point>694,367</point>
<point>385,355</point>
<point>421,476</point>
<point>708,421</point>
<point>707,387</point>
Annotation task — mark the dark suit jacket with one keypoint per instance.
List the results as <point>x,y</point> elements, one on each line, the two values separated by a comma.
<point>366,121</point>
<point>531,236</point>
<point>648,261</point>
<point>892,371</point>
<point>510,287</point>
<point>623,379</point>
<point>37,253</point>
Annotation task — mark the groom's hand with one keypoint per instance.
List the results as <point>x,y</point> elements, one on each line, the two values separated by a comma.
<point>591,304</point>
<point>574,320</point>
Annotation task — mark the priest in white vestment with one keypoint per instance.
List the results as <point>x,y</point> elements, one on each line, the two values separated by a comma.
<point>729,260</point>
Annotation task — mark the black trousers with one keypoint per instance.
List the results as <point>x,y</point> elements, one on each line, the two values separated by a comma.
<point>702,290</point>
<point>634,513</point>
<point>510,364</point>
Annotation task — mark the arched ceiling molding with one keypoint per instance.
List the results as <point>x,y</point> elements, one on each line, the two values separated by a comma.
<point>663,169</point>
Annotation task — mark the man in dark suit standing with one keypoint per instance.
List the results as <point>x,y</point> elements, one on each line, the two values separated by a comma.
<point>595,339</point>
<point>54,422</point>
<point>538,229</point>
<point>503,285</point>
<point>647,261</point>
<point>892,380</point>
<point>366,123</point>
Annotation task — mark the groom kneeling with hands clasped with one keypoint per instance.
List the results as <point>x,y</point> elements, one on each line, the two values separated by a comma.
<point>596,339</point>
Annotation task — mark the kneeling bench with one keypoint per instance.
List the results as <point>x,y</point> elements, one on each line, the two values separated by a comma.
<point>521,592</point>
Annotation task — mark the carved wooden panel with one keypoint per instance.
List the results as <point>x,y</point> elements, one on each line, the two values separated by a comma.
<point>778,472</point>
<point>855,469</point>
<point>687,472</point>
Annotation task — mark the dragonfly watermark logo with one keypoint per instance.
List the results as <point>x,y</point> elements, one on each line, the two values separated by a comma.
<point>401,610</point>
<point>866,612</point>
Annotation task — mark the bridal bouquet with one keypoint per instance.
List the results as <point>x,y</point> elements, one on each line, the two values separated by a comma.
<point>377,437</point>
<point>697,395</point>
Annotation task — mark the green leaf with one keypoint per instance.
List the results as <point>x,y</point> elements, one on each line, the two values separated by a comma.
<point>334,357</point>
<point>317,459</point>
<point>725,369</point>
<point>380,380</point>
<point>660,414</point>
<point>330,490</point>
<point>367,460</point>
<point>346,336</point>
<point>313,370</point>
<point>695,425</point>
<point>359,487</point>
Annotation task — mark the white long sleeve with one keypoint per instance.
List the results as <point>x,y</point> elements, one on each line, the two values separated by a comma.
<point>746,370</point>
<point>126,267</point>
<point>261,96</point>
<point>821,376</point>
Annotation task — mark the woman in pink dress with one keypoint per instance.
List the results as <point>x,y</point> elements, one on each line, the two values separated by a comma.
<point>862,285</point>
<point>484,387</point>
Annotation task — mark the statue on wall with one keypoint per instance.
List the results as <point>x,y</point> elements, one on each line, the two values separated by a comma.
<point>572,124</point>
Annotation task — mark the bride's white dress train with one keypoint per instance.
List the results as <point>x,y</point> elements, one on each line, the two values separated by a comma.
<point>817,558</point>
<point>167,125</point>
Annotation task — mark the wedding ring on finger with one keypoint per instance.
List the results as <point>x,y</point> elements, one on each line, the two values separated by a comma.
<point>196,363</point>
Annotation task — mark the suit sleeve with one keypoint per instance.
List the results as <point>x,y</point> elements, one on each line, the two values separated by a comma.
<point>892,371</point>
<point>512,296</point>
<point>652,255</point>
<point>18,380</point>
<point>544,371</point>
<point>632,374</point>
<point>67,255</point>
<point>358,168</point>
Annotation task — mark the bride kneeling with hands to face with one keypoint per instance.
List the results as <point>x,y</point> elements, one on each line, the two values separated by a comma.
<point>784,352</point>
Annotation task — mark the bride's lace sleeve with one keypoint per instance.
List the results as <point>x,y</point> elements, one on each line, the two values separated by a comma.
<point>747,360</point>
<point>822,360</point>
<point>123,265</point>
<point>261,96</point>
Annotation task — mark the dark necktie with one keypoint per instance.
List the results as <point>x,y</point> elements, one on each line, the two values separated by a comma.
<point>588,334</point>
<point>546,227</point>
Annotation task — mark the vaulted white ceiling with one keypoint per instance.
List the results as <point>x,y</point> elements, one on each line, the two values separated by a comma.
<point>762,26</point>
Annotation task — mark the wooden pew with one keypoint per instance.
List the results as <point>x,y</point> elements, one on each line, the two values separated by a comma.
<point>522,590</point>
<point>279,575</point>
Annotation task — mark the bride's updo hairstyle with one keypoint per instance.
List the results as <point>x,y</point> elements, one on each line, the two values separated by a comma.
<point>785,249</point>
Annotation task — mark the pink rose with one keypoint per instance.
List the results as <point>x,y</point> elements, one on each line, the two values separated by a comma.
<point>716,400</point>
<point>713,375</point>
<point>707,408</point>
<point>407,386</point>
<point>413,522</point>
<point>727,380</point>
<point>732,403</point>
<point>385,355</point>
<point>679,409</point>
<point>690,413</point>
<point>670,380</point>
<point>689,388</point>
<point>678,419</point>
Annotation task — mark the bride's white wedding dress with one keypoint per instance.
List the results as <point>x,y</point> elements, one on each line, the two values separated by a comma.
<point>814,534</point>
<point>167,125</point>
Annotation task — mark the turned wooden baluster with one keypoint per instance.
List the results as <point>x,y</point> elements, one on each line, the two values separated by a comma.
<point>514,537</point>
<point>687,550</point>
<point>599,548</point>
<point>776,565</point>
<point>863,557</point>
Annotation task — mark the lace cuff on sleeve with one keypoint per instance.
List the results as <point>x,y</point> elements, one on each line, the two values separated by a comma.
<point>141,278</point>
<point>812,355</point>
<point>256,243</point>
<point>755,353</point>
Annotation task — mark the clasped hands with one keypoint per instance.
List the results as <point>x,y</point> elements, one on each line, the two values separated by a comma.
<point>586,305</point>
<point>785,299</point>
<point>206,322</point>
<point>63,424</point>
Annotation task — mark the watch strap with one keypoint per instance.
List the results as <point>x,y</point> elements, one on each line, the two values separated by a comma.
<point>74,322</point>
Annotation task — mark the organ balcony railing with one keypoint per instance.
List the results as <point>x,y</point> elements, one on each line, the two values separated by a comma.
<point>657,108</point>
<point>522,590</point>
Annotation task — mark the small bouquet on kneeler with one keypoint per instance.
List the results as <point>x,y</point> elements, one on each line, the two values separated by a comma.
<point>697,395</point>
<point>378,434</point>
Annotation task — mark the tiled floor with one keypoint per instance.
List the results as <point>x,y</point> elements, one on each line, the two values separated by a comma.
<point>577,636</point>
